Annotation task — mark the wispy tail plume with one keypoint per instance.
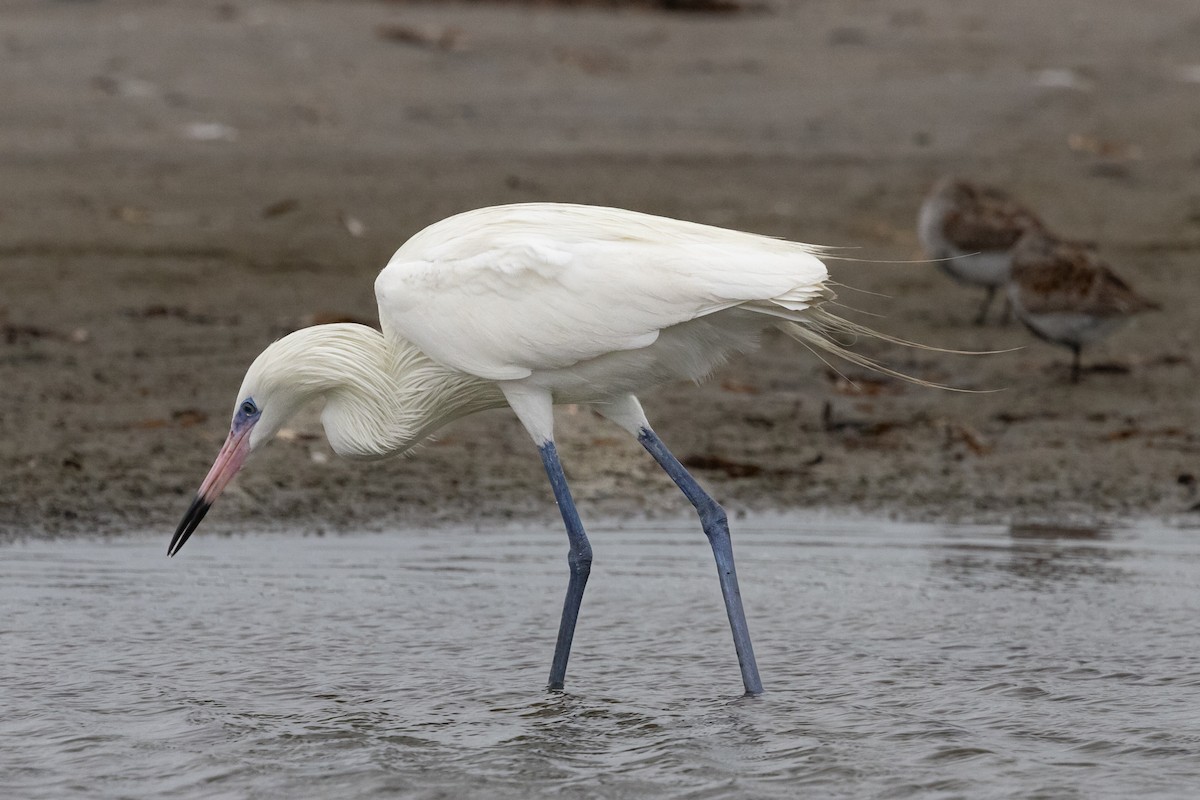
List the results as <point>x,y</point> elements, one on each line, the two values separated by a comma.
<point>819,330</point>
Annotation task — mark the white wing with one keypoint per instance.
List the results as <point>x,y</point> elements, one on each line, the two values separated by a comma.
<point>501,292</point>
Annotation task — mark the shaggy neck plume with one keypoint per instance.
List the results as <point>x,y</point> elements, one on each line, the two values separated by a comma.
<point>381,397</point>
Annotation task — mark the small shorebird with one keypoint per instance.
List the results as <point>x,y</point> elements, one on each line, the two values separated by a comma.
<point>972,228</point>
<point>1066,294</point>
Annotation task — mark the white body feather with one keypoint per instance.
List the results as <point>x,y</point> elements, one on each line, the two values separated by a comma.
<point>538,304</point>
<point>589,302</point>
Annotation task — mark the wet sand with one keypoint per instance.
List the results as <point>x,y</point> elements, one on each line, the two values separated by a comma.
<point>180,185</point>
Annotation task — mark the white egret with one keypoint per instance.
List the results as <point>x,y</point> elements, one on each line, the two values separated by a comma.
<point>532,305</point>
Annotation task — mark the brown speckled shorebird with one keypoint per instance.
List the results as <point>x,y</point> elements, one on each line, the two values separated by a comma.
<point>1067,294</point>
<point>973,228</point>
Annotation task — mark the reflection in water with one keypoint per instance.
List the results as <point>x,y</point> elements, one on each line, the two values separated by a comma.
<point>1054,554</point>
<point>900,661</point>
<point>1051,553</point>
<point>1038,555</point>
<point>1042,532</point>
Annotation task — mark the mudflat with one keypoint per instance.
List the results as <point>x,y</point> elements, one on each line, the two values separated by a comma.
<point>182,183</point>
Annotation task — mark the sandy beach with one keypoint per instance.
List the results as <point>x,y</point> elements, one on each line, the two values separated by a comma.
<point>182,183</point>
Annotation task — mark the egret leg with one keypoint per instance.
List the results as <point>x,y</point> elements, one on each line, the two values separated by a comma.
<point>579,559</point>
<point>716,527</point>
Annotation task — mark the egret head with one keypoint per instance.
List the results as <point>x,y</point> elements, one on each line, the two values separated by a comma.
<point>275,387</point>
<point>380,398</point>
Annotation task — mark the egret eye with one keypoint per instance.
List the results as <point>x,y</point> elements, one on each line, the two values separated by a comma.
<point>249,409</point>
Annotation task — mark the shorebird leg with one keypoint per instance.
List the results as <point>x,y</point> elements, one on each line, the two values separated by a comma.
<point>716,527</point>
<point>1076,368</point>
<point>981,317</point>
<point>579,559</point>
<point>1006,317</point>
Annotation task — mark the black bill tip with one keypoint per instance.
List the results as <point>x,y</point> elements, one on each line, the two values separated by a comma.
<point>191,519</point>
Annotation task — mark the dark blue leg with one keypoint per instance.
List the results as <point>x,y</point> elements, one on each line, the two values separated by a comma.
<point>716,528</point>
<point>579,559</point>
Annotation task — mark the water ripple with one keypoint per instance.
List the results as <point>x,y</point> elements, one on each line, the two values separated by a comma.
<point>900,661</point>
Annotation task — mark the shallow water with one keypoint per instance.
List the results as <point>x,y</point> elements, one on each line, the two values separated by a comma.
<point>899,661</point>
